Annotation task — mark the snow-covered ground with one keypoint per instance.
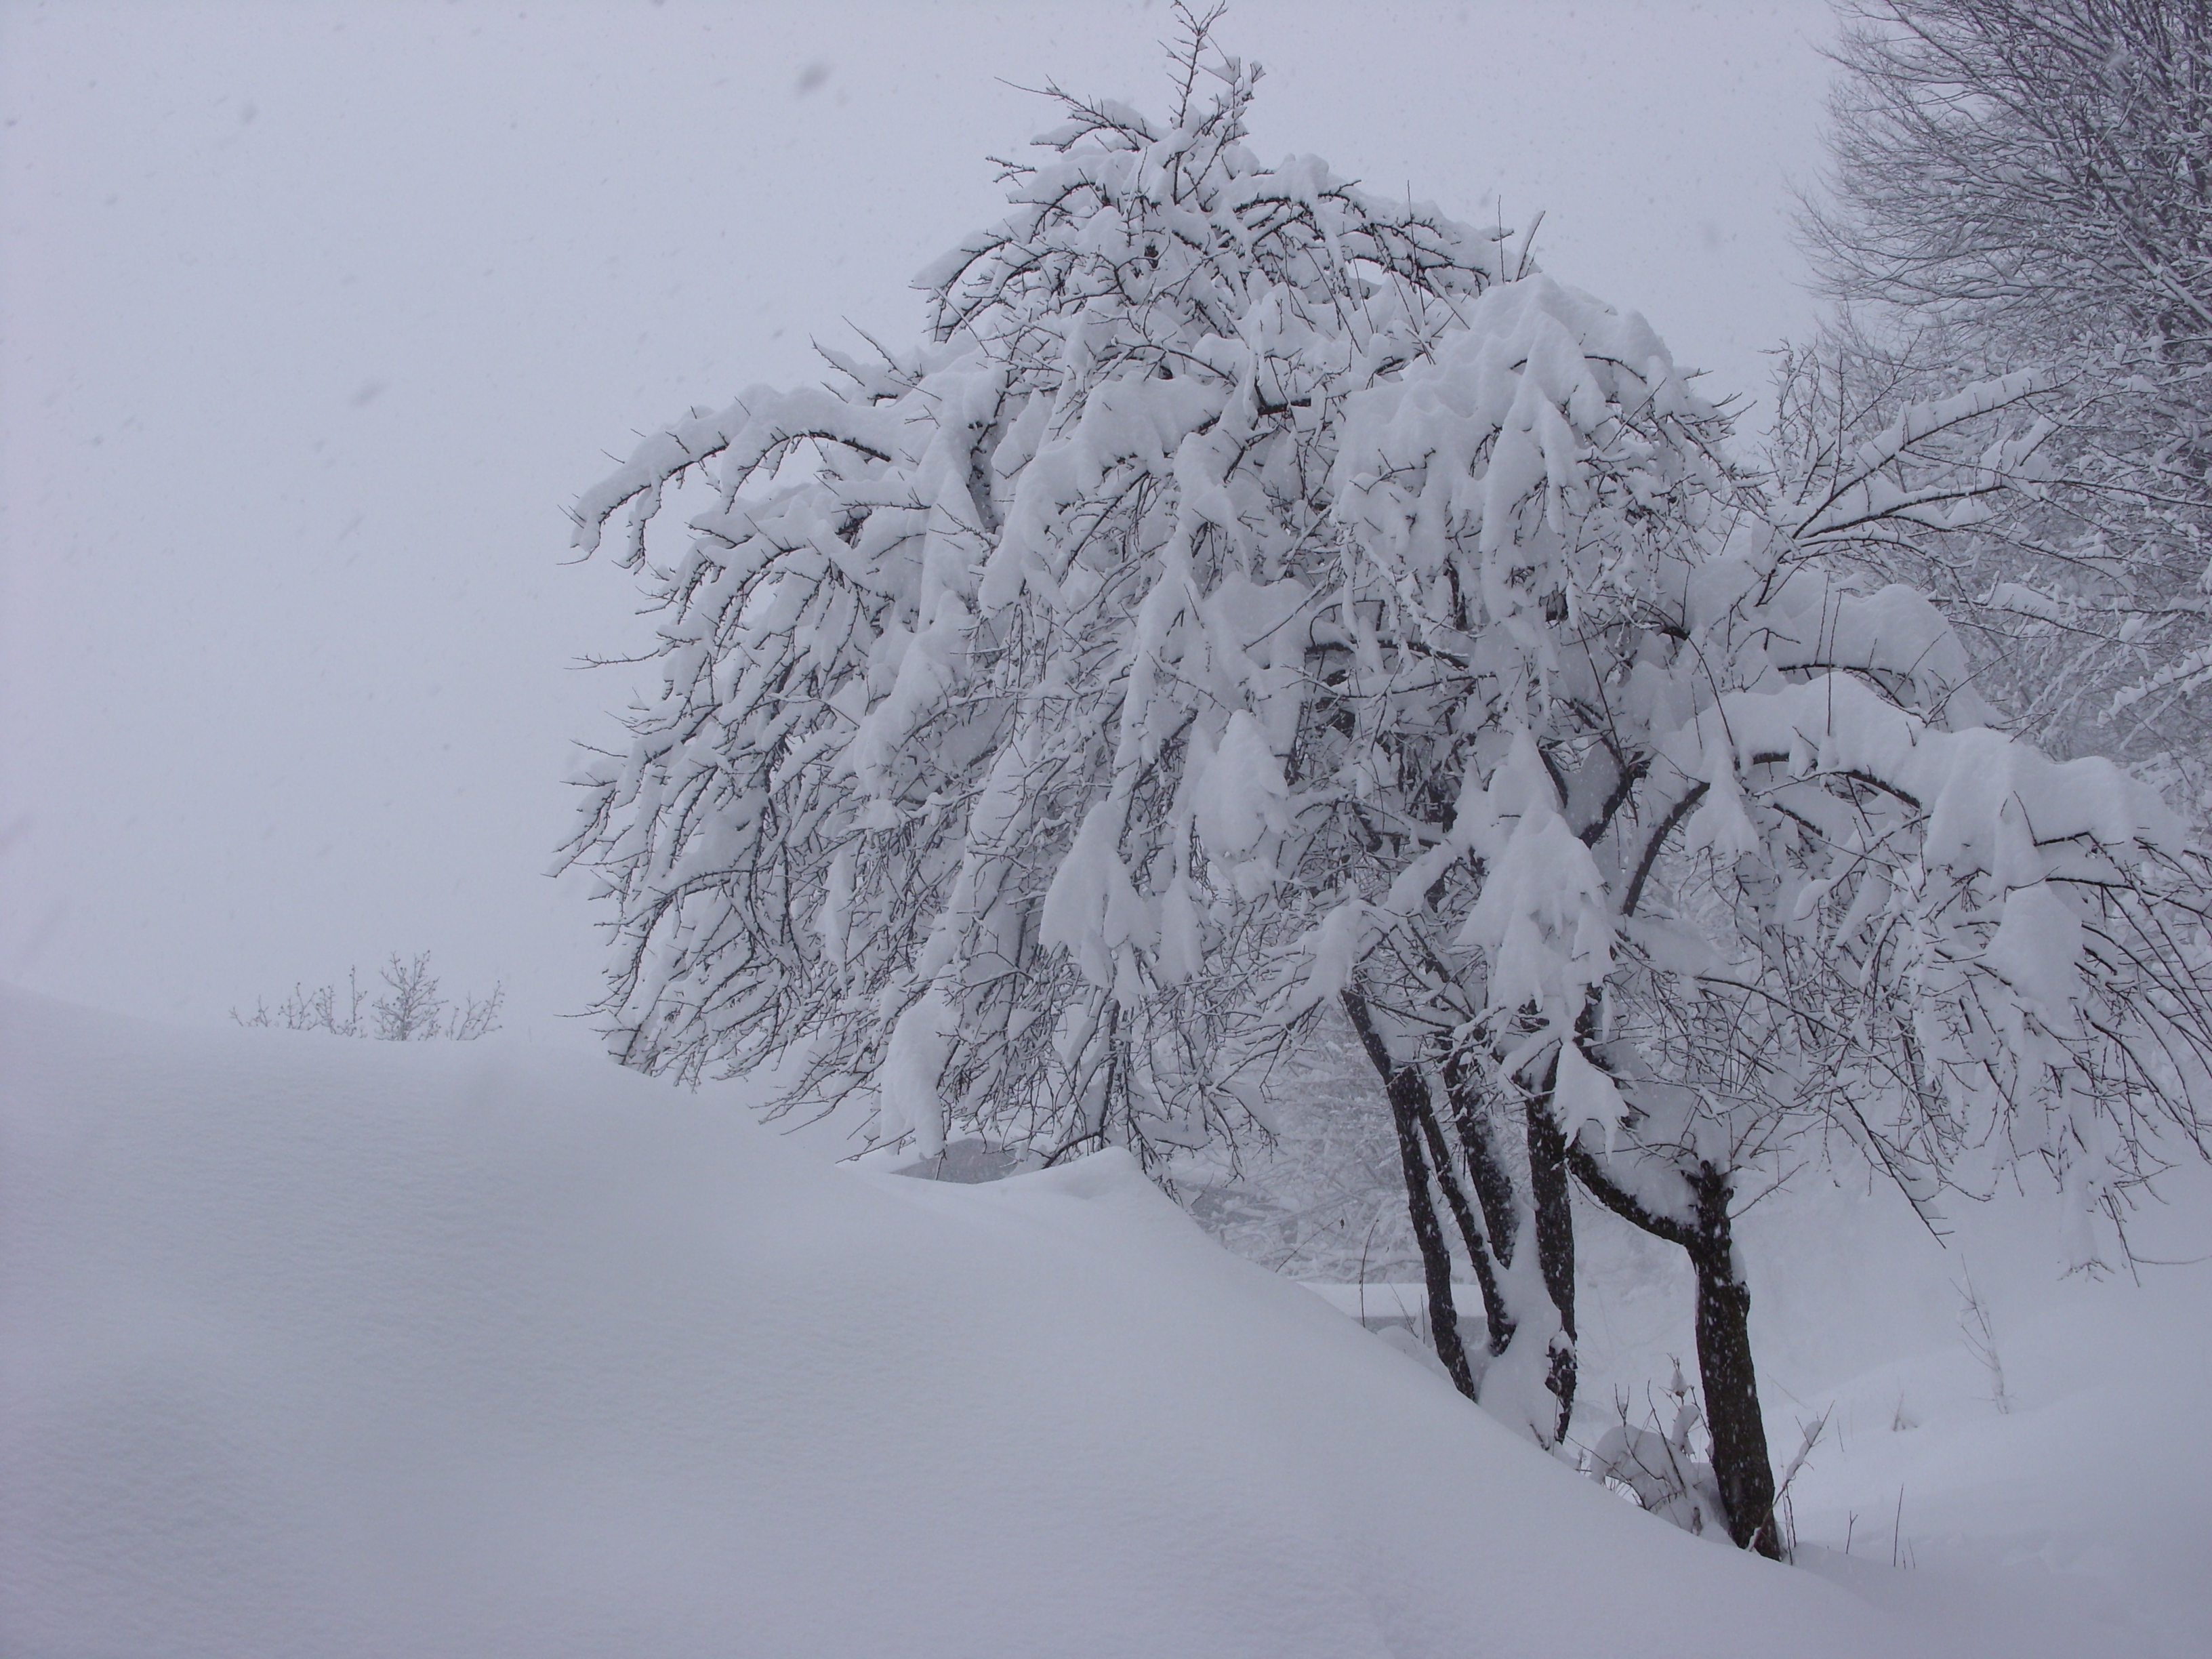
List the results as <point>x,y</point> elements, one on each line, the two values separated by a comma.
<point>2055,1501</point>
<point>325,1348</point>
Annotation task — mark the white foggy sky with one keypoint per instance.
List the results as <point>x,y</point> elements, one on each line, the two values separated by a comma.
<point>313,317</point>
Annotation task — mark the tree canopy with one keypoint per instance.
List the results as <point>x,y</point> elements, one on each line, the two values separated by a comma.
<point>1256,597</point>
<point>946,702</point>
<point>2021,188</point>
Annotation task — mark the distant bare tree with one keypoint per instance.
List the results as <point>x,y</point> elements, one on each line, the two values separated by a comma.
<point>412,1009</point>
<point>2023,185</point>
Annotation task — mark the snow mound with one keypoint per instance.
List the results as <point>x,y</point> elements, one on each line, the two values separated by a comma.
<point>2039,1479</point>
<point>331,1348</point>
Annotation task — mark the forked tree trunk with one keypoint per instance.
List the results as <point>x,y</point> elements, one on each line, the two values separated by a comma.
<point>1425,1155</point>
<point>1741,1464</point>
<point>1551,1215</point>
<point>1409,1105</point>
<point>1495,1314</point>
<point>1486,1167</point>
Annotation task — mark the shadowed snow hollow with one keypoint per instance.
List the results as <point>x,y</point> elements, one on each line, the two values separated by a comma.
<point>352,1349</point>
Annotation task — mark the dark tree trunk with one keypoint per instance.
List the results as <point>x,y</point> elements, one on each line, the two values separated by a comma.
<point>1551,1200</point>
<point>1409,1102</point>
<point>1492,1181</point>
<point>1406,1087</point>
<point>1555,1240</point>
<point>1478,1249</point>
<point>1740,1462</point>
<point>1487,1167</point>
<point>1470,1229</point>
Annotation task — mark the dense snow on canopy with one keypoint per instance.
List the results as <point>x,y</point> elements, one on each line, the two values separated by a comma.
<point>977,679</point>
<point>366,1349</point>
<point>1255,601</point>
<point>1254,591</point>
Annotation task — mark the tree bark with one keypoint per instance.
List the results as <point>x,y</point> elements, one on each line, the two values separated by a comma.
<point>1409,1100</point>
<point>1486,1165</point>
<point>1492,1181</point>
<point>1470,1230</point>
<point>1740,1462</point>
<point>1555,1239</point>
<point>1551,1202</point>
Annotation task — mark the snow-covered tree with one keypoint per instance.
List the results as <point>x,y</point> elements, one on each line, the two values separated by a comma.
<point>1685,846</point>
<point>2020,185</point>
<point>1255,596</point>
<point>974,681</point>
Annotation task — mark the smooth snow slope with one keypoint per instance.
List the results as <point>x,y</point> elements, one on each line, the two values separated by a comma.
<point>335,1349</point>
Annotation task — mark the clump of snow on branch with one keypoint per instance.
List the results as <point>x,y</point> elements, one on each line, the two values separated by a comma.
<point>977,681</point>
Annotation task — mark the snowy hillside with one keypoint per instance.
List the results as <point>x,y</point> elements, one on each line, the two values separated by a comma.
<point>352,1349</point>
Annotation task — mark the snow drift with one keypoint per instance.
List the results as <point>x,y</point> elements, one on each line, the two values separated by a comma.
<point>373,1349</point>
